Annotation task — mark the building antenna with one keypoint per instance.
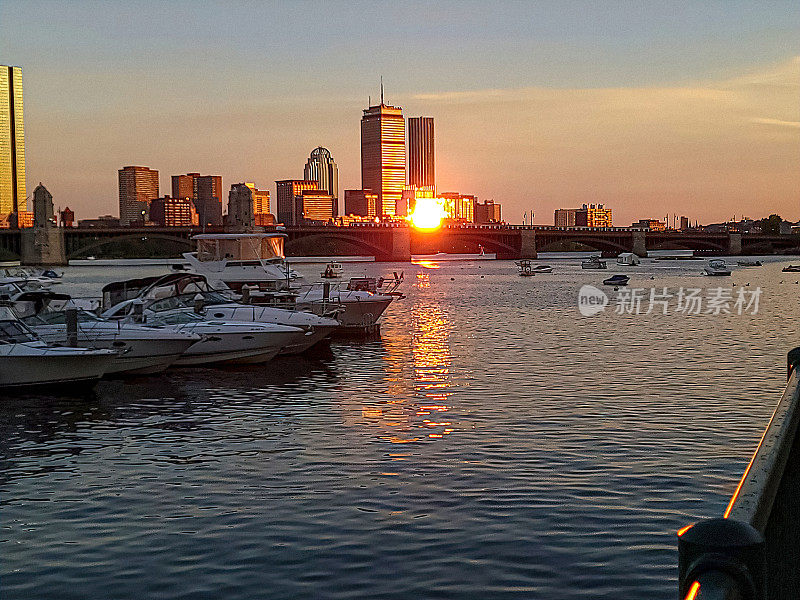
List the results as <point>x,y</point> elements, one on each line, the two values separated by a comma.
<point>381,89</point>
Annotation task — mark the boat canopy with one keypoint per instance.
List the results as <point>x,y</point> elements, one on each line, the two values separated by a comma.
<point>179,283</point>
<point>628,258</point>
<point>239,246</point>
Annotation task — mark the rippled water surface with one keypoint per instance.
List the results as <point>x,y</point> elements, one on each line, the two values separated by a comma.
<point>492,443</point>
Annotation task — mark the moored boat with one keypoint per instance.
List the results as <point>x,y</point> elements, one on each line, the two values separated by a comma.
<point>26,361</point>
<point>617,280</point>
<point>593,262</point>
<point>333,270</point>
<point>717,268</point>
<point>791,269</point>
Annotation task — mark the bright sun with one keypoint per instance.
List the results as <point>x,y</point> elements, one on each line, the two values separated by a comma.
<point>428,214</point>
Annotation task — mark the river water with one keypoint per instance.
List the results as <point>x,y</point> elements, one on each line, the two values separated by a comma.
<point>493,443</point>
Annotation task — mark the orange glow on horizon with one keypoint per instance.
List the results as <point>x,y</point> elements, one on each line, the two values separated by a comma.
<point>428,214</point>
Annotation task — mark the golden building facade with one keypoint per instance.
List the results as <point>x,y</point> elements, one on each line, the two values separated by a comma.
<point>13,192</point>
<point>383,155</point>
<point>138,186</point>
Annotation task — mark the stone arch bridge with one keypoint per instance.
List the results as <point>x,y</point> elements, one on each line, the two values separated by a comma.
<point>399,242</point>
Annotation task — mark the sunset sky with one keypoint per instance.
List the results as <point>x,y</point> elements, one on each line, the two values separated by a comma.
<point>649,107</point>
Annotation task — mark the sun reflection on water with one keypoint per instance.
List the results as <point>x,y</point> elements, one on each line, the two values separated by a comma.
<point>417,414</point>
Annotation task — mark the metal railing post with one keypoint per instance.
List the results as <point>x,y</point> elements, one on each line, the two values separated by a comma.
<point>722,558</point>
<point>792,360</point>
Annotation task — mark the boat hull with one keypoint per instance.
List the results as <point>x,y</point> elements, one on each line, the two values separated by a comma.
<point>50,369</point>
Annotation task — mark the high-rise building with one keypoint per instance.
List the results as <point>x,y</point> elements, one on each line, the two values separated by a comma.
<point>321,168</point>
<point>487,212</point>
<point>421,172</point>
<point>183,185</point>
<point>362,203</point>
<point>564,217</point>
<point>208,200</point>
<point>593,215</point>
<point>137,187</point>
<point>459,207</point>
<point>315,206</point>
<point>12,143</point>
<point>261,206</point>
<point>173,212</point>
<point>383,155</point>
<point>206,193</point>
<point>288,190</point>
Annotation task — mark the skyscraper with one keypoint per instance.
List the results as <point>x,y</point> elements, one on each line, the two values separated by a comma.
<point>12,143</point>
<point>289,199</point>
<point>383,155</point>
<point>208,199</point>
<point>137,187</point>
<point>206,193</point>
<point>321,168</point>
<point>420,153</point>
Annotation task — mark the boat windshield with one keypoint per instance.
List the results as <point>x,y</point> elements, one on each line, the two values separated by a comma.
<point>14,332</point>
<point>59,317</point>
<point>178,318</point>
<point>187,301</point>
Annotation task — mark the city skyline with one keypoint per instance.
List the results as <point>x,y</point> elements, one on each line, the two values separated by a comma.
<point>692,110</point>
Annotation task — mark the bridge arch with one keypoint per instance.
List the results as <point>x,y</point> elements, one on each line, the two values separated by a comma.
<point>105,241</point>
<point>375,249</point>
<point>489,243</point>
<point>603,245</point>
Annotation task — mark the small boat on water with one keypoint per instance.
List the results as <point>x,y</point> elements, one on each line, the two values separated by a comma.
<point>333,270</point>
<point>617,280</point>
<point>525,268</point>
<point>717,268</point>
<point>791,269</point>
<point>749,263</point>
<point>593,262</point>
<point>26,361</point>
<point>629,259</point>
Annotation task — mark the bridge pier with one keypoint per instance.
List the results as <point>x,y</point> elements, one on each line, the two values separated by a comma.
<point>401,245</point>
<point>734,244</point>
<point>640,243</point>
<point>528,243</point>
<point>43,244</point>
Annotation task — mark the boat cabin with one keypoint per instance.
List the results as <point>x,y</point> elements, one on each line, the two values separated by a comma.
<point>244,247</point>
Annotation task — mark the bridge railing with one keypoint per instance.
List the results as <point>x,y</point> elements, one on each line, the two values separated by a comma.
<point>726,557</point>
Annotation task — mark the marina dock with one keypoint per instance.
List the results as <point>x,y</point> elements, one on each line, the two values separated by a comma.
<point>752,551</point>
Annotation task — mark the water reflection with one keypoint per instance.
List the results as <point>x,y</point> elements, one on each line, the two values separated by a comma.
<point>418,376</point>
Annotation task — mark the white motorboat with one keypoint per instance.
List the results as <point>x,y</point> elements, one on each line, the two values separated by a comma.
<point>225,341</point>
<point>717,268</point>
<point>187,292</point>
<point>256,260</point>
<point>138,349</point>
<point>527,268</point>
<point>26,361</point>
<point>333,270</point>
<point>629,259</point>
<point>593,262</point>
<point>238,259</point>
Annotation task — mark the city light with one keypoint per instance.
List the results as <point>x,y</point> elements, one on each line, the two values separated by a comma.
<point>428,214</point>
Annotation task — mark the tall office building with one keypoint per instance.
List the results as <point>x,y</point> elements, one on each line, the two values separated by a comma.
<point>183,185</point>
<point>421,172</point>
<point>206,193</point>
<point>383,155</point>
<point>208,200</point>
<point>12,143</point>
<point>138,186</point>
<point>289,199</point>
<point>321,168</point>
